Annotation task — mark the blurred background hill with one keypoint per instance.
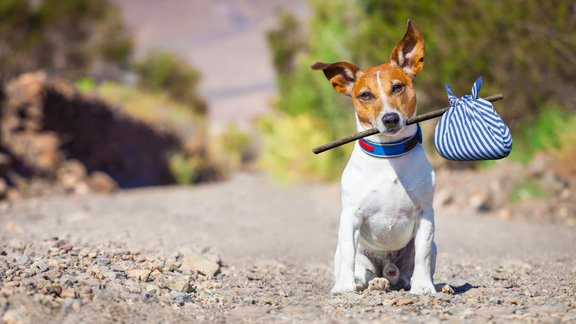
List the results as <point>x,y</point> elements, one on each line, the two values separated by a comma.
<point>98,96</point>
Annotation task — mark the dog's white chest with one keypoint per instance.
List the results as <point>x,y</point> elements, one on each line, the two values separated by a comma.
<point>387,216</point>
<point>385,197</point>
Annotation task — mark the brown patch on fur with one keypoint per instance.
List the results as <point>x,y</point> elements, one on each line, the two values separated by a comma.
<point>409,52</point>
<point>340,74</point>
<point>407,59</point>
<point>404,101</point>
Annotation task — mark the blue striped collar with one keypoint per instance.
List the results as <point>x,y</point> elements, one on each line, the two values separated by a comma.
<point>392,149</point>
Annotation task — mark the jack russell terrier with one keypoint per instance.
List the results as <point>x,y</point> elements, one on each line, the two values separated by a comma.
<point>386,234</point>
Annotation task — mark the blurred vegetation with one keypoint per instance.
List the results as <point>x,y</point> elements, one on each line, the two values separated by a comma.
<point>71,38</point>
<point>160,110</point>
<point>167,72</point>
<point>87,42</point>
<point>525,49</point>
<point>527,189</point>
<point>233,148</point>
<point>156,108</point>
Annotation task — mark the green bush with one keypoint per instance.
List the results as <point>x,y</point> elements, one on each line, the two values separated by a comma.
<point>527,189</point>
<point>68,37</point>
<point>182,168</point>
<point>524,49</point>
<point>232,148</point>
<point>544,134</point>
<point>155,108</point>
<point>288,142</point>
<point>169,73</point>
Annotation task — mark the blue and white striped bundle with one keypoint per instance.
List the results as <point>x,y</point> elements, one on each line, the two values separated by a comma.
<point>471,129</point>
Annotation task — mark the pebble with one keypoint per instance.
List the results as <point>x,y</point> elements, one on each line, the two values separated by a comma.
<point>194,262</point>
<point>23,260</point>
<point>68,283</point>
<point>180,297</point>
<point>68,293</point>
<point>180,284</point>
<point>133,287</point>
<point>405,301</point>
<point>42,266</point>
<point>138,274</point>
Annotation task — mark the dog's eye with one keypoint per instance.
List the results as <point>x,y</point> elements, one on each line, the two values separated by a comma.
<point>397,87</point>
<point>366,96</point>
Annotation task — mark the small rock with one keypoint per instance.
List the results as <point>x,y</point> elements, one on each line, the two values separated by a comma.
<point>404,302</point>
<point>42,266</point>
<point>152,289</point>
<point>53,265</point>
<point>87,292</point>
<point>181,284</point>
<point>68,293</point>
<point>66,247</point>
<point>200,264</point>
<point>138,274</point>
<point>250,301</point>
<point>83,253</point>
<point>102,182</point>
<point>55,290</point>
<point>15,316</point>
<point>23,260</point>
<point>180,297</point>
<point>133,287</point>
<point>111,275</point>
<point>71,175</point>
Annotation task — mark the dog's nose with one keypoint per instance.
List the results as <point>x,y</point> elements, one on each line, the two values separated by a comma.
<point>391,119</point>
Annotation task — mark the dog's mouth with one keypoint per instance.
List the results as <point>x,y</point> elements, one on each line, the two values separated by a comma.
<point>390,129</point>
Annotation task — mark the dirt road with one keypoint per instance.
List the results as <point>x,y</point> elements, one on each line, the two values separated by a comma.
<point>275,244</point>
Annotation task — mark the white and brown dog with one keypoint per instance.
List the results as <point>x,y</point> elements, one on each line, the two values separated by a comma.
<point>386,234</point>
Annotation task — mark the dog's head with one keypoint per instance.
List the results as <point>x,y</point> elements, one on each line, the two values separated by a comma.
<point>383,95</point>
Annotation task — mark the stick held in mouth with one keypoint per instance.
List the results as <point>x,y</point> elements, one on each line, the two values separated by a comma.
<point>372,131</point>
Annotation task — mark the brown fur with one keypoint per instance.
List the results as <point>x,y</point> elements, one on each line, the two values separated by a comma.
<point>407,60</point>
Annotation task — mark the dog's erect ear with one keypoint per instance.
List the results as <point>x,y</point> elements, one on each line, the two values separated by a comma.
<point>409,52</point>
<point>342,75</point>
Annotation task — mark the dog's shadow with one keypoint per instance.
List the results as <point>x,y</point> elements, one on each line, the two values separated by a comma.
<point>458,290</point>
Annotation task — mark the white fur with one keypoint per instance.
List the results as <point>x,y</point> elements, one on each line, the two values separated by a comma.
<point>387,219</point>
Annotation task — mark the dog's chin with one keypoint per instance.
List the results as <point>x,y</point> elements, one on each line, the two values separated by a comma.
<point>392,132</point>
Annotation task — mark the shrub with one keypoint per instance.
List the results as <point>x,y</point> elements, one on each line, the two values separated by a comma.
<point>169,73</point>
<point>524,49</point>
<point>67,37</point>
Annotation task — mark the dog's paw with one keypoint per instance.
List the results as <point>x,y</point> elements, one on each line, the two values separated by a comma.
<point>342,289</point>
<point>422,288</point>
<point>381,284</point>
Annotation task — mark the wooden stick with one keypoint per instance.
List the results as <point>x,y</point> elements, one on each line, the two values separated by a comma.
<point>372,131</point>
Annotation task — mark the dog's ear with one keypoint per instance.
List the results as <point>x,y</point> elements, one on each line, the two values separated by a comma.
<point>409,52</point>
<point>342,75</point>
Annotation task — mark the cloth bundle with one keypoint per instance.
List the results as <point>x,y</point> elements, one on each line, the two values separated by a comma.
<point>471,129</point>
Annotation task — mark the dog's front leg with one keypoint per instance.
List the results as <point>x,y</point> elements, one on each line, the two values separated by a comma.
<point>422,281</point>
<point>346,254</point>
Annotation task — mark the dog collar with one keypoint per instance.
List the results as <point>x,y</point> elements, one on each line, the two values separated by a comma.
<point>392,149</point>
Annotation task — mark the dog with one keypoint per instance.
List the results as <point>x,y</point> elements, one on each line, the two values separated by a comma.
<point>386,232</point>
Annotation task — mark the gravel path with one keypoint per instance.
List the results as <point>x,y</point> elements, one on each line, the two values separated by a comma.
<point>248,250</point>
